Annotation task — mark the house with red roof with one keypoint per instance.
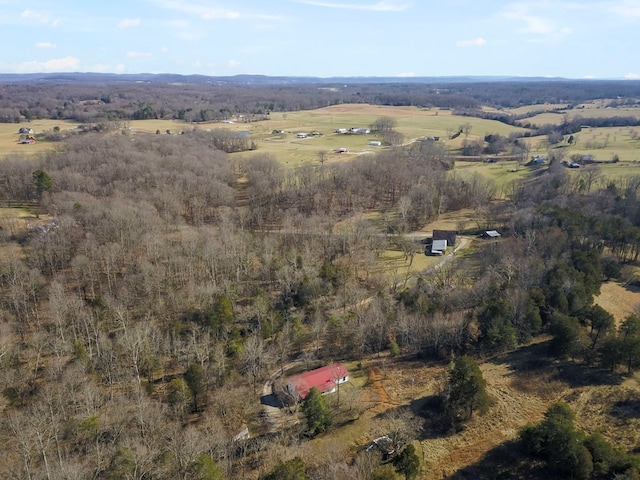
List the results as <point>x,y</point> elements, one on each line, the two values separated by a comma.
<point>325,379</point>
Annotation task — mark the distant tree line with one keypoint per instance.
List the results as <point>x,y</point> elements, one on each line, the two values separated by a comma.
<point>198,102</point>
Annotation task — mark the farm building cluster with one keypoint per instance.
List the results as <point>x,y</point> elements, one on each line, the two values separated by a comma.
<point>439,242</point>
<point>353,131</point>
<point>26,136</point>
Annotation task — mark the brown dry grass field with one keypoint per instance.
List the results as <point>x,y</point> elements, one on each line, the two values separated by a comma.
<point>619,300</point>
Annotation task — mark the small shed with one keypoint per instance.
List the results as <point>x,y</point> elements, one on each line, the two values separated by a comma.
<point>491,234</point>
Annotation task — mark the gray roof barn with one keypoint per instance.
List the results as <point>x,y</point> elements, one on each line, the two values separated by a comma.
<point>448,235</point>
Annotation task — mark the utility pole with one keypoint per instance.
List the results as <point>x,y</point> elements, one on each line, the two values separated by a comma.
<point>338,382</point>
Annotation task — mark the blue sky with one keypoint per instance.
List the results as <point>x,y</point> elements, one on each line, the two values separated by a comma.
<point>323,38</point>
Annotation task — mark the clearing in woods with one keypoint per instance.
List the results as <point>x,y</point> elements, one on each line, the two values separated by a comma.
<point>619,300</point>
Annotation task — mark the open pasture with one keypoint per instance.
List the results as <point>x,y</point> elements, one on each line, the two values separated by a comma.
<point>541,107</point>
<point>606,112</point>
<point>557,117</point>
<point>554,114</point>
<point>161,125</point>
<point>10,137</point>
<point>503,173</point>
<point>545,118</point>
<point>604,142</point>
<point>412,122</point>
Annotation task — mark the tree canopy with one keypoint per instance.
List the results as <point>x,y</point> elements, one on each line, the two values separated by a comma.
<point>467,390</point>
<point>316,412</point>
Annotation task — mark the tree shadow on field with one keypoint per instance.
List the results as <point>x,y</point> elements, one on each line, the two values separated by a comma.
<point>504,462</point>
<point>531,358</point>
<point>579,375</point>
<point>271,400</point>
<point>626,408</point>
<point>535,364</point>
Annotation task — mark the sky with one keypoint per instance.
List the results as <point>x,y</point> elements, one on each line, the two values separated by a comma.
<point>324,38</point>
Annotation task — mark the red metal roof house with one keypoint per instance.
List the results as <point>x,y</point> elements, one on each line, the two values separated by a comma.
<point>325,379</point>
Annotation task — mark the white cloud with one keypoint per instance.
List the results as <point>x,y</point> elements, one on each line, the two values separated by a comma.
<point>381,6</point>
<point>406,74</point>
<point>540,28</point>
<point>164,50</point>
<point>185,30</point>
<point>478,42</point>
<point>129,22</point>
<point>198,8</point>
<point>65,64</point>
<point>233,63</point>
<point>133,54</point>
<point>626,8</point>
<point>45,45</point>
<point>632,76</point>
<point>36,16</point>
<point>588,77</point>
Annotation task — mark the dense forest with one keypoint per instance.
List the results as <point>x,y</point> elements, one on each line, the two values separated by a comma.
<point>165,281</point>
